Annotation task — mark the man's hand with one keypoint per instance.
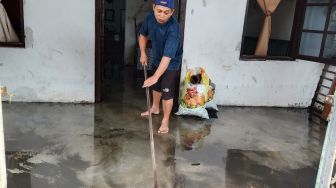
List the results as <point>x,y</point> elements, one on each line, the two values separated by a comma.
<point>143,59</point>
<point>150,81</point>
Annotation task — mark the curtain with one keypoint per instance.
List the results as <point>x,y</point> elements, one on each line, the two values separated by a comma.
<point>268,7</point>
<point>7,33</point>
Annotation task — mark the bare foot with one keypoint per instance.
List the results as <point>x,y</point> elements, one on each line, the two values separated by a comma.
<point>164,129</point>
<point>155,112</point>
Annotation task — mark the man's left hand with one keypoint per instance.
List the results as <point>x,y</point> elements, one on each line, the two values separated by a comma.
<point>150,81</point>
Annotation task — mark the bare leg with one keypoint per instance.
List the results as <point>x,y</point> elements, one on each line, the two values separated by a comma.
<point>167,108</point>
<point>155,109</point>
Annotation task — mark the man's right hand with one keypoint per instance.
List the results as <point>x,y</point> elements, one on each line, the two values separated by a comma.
<point>143,59</point>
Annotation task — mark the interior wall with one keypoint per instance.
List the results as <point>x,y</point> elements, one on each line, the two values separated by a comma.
<point>117,6</point>
<point>135,9</point>
<point>57,64</point>
<point>216,46</point>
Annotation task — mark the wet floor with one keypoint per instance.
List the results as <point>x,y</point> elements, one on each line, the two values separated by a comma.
<point>107,145</point>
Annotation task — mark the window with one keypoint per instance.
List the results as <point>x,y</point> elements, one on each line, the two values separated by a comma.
<point>280,43</point>
<point>304,29</point>
<point>318,31</point>
<point>11,26</point>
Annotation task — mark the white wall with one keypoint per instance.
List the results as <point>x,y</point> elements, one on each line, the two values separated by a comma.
<point>213,36</point>
<point>57,64</point>
<point>134,9</point>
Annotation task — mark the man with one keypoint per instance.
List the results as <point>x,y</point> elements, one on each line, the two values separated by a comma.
<point>164,32</point>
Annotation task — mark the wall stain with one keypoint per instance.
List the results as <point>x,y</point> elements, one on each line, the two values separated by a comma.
<point>45,55</point>
<point>185,63</point>
<point>80,52</point>
<point>254,79</point>
<point>29,37</point>
<point>238,47</point>
<point>204,3</point>
<point>192,12</point>
<point>25,93</point>
<point>31,74</point>
<point>227,67</point>
<point>297,105</point>
<point>83,77</point>
<point>57,51</point>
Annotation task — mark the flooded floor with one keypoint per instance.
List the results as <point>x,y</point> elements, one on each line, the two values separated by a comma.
<point>107,145</point>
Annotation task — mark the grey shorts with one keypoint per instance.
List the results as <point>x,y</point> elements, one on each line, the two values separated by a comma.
<point>166,83</point>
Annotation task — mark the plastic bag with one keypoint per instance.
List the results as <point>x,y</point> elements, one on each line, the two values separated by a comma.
<point>197,92</point>
<point>211,104</point>
<point>199,112</point>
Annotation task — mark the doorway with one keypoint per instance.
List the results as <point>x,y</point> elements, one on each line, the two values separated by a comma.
<point>116,39</point>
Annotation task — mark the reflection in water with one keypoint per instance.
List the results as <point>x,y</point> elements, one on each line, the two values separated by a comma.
<point>192,137</point>
<point>19,169</point>
<point>48,145</point>
<point>246,169</point>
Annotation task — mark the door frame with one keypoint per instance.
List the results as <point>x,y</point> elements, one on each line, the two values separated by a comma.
<point>99,29</point>
<point>99,43</point>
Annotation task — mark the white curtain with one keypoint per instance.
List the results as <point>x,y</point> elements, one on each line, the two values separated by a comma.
<point>7,33</point>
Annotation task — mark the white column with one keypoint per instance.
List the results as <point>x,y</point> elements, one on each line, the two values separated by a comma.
<point>328,155</point>
<point>3,178</point>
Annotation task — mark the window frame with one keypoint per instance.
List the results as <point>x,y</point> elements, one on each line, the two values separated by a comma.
<point>20,44</point>
<point>325,32</point>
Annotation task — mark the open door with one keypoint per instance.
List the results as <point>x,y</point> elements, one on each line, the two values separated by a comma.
<point>100,36</point>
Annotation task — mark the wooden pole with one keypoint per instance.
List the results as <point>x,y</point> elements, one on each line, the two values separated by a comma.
<point>150,124</point>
